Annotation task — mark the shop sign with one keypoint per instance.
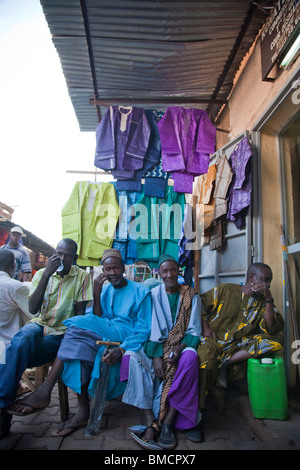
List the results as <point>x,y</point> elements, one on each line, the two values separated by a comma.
<point>280,29</point>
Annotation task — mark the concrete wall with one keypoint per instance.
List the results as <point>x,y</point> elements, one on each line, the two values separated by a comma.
<point>249,101</point>
<point>251,96</point>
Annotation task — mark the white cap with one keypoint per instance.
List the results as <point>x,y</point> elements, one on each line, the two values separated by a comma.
<point>18,230</point>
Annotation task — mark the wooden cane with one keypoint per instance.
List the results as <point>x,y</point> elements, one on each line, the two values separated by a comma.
<point>108,343</point>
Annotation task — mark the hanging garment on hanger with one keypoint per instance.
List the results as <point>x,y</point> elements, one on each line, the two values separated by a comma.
<point>122,240</point>
<point>205,202</point>
<point>224,175</point>
<point>122,139</point>
<point>156,181</point>
<point>241,184</point>
<point>187,244</point>
<point>152,157</point>
<point>187,139</point>
<point>158,225</point>
<point>217,233</point>
<point>89,217</point>
<point>155,187</point>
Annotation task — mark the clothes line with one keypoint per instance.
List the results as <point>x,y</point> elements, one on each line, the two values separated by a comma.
<point>86,172</point>
<point>89,172</point>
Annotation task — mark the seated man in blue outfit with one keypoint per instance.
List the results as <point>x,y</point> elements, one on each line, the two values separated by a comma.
<point>121,313</point>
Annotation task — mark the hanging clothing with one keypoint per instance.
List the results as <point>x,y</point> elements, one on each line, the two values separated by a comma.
<point>187,139</point>
<point>217,234</point>
<point>224,175</point>
<point>205,202</point>
<point>156,180</point>
<point>241,185</point>
<point>122,240</point>
<point>187,244</point>
<point>158,225</point>
<point>122,139</point>
<point>152,156</point>
<point>89,217</point>
<point>153,152</point>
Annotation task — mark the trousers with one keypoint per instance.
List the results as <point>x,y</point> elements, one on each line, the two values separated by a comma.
<point>142,390</point>
<point>28,348</point>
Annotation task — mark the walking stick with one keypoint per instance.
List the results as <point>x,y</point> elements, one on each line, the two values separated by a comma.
<point>97,404</point>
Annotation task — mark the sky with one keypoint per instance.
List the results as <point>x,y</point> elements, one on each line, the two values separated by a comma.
<point>39,133</point>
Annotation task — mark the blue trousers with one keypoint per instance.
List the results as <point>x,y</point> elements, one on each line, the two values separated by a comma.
<point>28,348</point>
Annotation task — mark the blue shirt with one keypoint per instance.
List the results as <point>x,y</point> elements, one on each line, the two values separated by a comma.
<point>126,317</point>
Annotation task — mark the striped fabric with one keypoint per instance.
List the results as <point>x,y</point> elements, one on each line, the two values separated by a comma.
<point>22,259</point>
<point>60,296</point>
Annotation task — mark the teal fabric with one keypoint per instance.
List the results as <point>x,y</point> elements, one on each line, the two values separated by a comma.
<point>158,224</point>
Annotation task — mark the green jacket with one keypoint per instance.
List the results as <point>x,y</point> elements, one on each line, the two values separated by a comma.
<point>90,217</point>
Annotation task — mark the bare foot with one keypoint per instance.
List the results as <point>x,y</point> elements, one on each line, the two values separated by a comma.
<point>32,403</point>
<point>77,421</point>
<point>149,434</point>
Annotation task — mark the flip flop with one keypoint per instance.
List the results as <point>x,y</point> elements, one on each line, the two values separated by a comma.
<point>151,445</point>
<point>23,403</point>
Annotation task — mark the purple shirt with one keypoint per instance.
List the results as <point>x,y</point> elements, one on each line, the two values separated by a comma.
<point>122,139</point>
<point>240,188</point>
<point>187,140</point>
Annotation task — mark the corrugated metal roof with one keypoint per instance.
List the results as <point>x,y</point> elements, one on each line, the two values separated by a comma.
<point>30,240</point>
<point>150,54</point>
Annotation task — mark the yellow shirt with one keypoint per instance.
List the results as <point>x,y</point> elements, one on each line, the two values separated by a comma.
<point>60,296</point>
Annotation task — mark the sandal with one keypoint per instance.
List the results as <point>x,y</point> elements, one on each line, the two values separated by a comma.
<point>167,439</point>
<point>139,437</point>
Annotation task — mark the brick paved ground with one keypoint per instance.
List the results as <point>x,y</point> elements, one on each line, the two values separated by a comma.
<point>235,430</point>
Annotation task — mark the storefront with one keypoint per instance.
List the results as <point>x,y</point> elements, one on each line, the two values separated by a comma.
<point>270,111</point>
<point>161,64</point>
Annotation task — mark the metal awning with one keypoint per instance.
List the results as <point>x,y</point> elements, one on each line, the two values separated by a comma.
<point>151,54</point>
<point>30,241</point>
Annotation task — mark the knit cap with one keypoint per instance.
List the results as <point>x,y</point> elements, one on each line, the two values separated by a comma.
<point>111,253</point>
